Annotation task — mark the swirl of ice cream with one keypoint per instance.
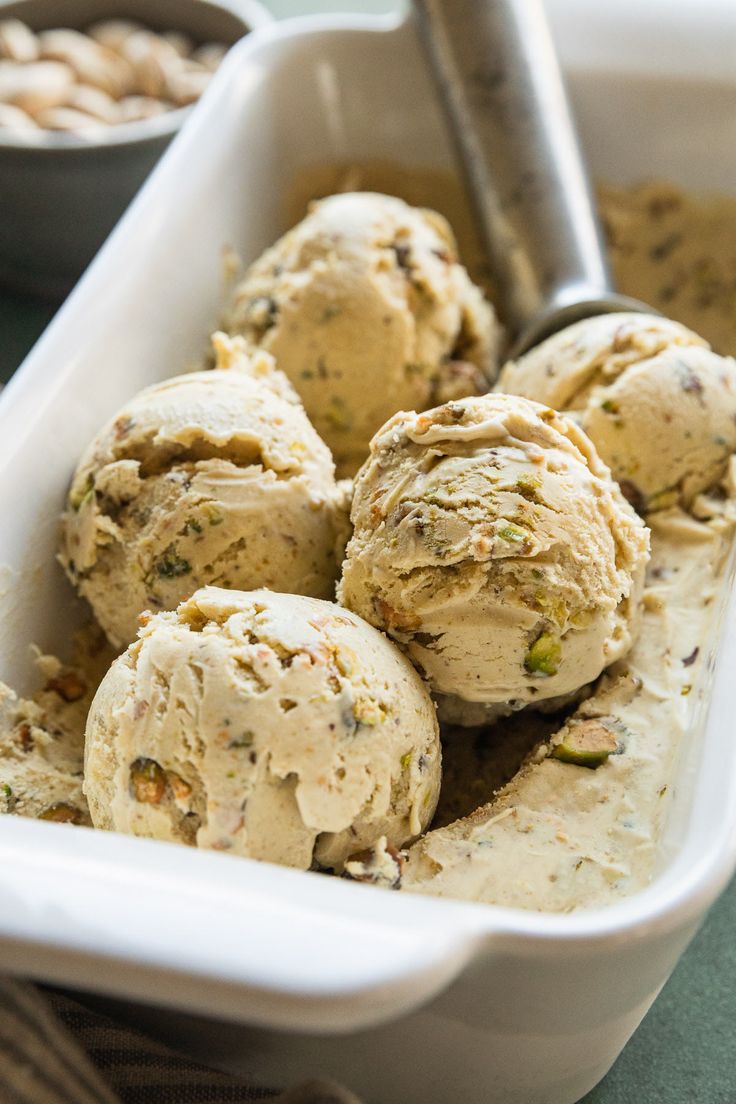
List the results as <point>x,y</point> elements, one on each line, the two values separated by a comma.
<point>658,404</point>
<point>268,725</point>
<point>208,478</point>
<point>492,544</point>
<point>367,310</point>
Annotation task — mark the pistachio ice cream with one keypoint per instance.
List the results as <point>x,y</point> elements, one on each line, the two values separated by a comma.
<point>367,309</point>
<point>41,749</point>
<point>42,738</point>
<point>268,725</point>
<point>659,405</point>
<point>212,477</point>
<point>580,824</point>
<point>492,544</point>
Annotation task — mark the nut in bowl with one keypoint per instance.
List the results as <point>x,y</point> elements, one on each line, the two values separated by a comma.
<point>91,93</point>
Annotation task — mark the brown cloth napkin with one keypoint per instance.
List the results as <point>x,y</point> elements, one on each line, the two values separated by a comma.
<point>54,1050</point>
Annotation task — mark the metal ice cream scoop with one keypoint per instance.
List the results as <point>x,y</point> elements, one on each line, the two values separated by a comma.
<point>501,86</point>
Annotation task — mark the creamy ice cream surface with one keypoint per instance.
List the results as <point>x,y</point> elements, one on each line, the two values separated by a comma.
<point>212,477</point>
<point>491,542</point>
<point>675,249</point>
<point>579,825</point>
<point>367,310</point>
<point>268,725</point>
<point>659,405</point>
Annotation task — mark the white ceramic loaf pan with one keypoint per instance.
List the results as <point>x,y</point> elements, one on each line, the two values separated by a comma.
<point>405,999</point>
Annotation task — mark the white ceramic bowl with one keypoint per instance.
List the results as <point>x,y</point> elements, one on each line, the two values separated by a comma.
<point>63,193</point>
<point>406,999</point>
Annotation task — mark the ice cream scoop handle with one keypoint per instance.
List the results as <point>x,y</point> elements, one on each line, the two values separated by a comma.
<point>502,88</point>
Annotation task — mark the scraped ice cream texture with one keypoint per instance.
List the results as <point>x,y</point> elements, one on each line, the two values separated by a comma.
<point>658,404</point>
<point>268,725</point>
<point>492,544</point>
<point>579,825</point>
<point>208,478</point>
<point>42,738</point>
<point>533,814</point>
<point>366,308</point>
<point>41,746</point>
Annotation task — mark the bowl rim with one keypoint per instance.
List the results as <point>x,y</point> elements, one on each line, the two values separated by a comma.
<point>252,15</point>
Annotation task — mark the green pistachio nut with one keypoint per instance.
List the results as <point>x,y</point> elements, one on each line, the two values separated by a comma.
<point>586,743</point>
<point>147,781</point>
<point>543,657</point>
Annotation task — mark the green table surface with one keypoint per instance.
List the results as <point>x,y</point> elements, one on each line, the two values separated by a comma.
<point>685,1050</point>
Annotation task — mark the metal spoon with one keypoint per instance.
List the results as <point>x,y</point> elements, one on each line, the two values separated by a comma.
<point>503,93</point>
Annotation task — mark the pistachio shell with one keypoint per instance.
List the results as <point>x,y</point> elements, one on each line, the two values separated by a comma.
<point>93,102</point>
<point>17,41</point>
<point>35,86</point>
<point>112,33</point>
<point>68,119</point>
<point>14,118</point>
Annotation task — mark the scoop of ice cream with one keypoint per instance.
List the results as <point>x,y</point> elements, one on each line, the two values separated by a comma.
<point>562,370</point>
<point>268,725</point>
<point>367,310</point>
<point>658,404</point>
<point>492,543</point>
<point>213,477</point>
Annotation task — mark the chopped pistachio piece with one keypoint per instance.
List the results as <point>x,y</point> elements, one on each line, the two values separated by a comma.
<point>246,739</point>
<point>543,657</point>
<point>368,712</point>
<point>147,781</point>
<point>214,517</point>
<point>80,495</point>
<point>513,533</point>
<point>61,813</point>
<point>587,744</point>
<point>552,605</point>
<point>171,566</point>
<point>528,486</point>
<point>180,788</point>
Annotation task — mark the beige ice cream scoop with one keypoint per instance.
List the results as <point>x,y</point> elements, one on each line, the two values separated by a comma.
<point>491,542</point>
<point>268,725</point>
<point>366,308</point>
<point>213,477</point>
<point>658,404</point>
